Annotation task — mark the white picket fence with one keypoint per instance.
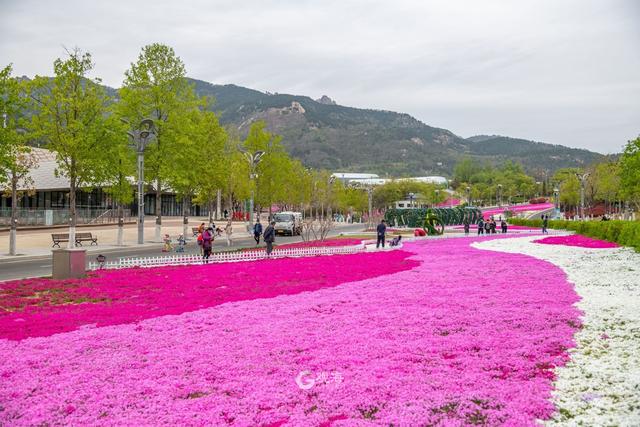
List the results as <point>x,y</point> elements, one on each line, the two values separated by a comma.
<point>252,255</point>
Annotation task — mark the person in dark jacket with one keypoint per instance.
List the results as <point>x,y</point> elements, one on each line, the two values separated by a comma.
<point>381,231</point>
<point>466,227</point>
<point>545,224</point>
<point>480,226</point>
<point>257,231</point>
<point>269,236</point>
<point>503,226</point>
<point>207,244</point>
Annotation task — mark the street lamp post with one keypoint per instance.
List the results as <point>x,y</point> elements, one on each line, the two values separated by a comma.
<point>499,195</point>
<point>253,159</point>
<point>411,197</point>
<point>556,200</point>
<point>468,195</point>
<point>140,137</point>
<point>370,199</point>
<point>332,179</point>
<point>583,180</point>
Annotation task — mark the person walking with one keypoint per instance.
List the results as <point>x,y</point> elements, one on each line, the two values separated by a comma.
<point>480,226</point>
<point>545,224</point>
<point>228,231</point>
<point>270,236</point>
<point>257,231</point>
<point>487,226</point>
<point>466,227</point>
<point>381,231</point>
<point>207,244</point>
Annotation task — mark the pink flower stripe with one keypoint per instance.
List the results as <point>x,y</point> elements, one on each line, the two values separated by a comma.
<point>454,340</point>
<point>41,307</point>
<point>317,243</point>
<point>517,208</point>
<point>510,227</point>
<point>577,240</point>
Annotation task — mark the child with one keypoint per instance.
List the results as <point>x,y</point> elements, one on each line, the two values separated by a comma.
<point>181,243</point>
<point>167,244</point>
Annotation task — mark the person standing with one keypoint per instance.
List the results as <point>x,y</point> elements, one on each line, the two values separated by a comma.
<point>228,231</point>
<point>545,224</point>
<point>381,230</point>
<point>466,227</point>
<point>270,236</point>
<point>480,226</point>
<point>257,231</point>
<point>207,244</point>
<point>503,226</point>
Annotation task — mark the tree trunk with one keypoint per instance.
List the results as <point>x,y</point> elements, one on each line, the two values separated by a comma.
<point>219,204</point>
<point>210,211</point>
<point>185,216</point>
<point>120,241</point>
<point>158,236</point>
<point>14,214</point>
<point>72,208</point>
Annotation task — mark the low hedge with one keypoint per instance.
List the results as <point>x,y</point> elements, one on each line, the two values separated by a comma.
<point>625,233</point>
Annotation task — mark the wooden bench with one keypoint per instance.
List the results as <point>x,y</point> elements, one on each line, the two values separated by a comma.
<point>85,237</point>
<point>80,237</point>
<point>57,238</point>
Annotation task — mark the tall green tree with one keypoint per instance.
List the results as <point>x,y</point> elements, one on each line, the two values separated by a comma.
<point>72,120</point>
<point>16,159</point>
<point>630,173</point>
<point>118,184</point>
<point>569,186</point>
<point>606,177</point>
<point>196,172</point>
<point>274,167</point>
<point>155,87</point>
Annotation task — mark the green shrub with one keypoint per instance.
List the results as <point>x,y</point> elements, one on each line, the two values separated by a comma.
<point>625,233</point>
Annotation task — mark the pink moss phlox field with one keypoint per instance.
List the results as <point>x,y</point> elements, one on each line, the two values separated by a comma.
<point>465,337</point>
<point>41,307</point>
<point>577,240</point>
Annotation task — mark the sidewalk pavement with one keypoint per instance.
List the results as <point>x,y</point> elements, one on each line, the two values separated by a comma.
<point>38,243</point>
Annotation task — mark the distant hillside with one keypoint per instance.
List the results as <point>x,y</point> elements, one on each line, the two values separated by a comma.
<point>535,156</point>
<point>331,136</point>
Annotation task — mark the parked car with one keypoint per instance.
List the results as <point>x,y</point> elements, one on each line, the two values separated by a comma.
<point>288,223</point>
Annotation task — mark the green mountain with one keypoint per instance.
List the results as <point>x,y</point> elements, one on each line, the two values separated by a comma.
<point>325,135</point>
<point>537,157</point>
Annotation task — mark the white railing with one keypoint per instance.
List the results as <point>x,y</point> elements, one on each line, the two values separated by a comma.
<point>239,256</point>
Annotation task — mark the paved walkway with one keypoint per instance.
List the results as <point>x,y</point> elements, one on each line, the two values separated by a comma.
<point>38,243</point>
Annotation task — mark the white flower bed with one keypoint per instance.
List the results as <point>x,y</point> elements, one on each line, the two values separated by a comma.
<point>600,386</point>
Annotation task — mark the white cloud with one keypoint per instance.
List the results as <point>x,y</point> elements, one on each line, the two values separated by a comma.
<point>562,72</point>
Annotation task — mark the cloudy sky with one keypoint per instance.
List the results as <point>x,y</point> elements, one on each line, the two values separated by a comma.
<point>558,71</point>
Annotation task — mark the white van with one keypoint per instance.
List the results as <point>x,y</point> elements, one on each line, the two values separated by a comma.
<point>288,223</point>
